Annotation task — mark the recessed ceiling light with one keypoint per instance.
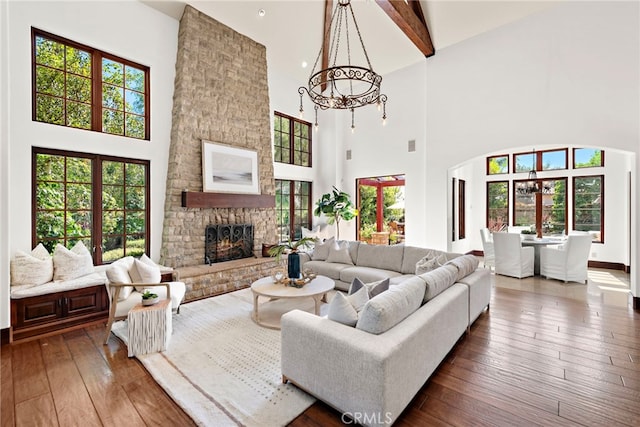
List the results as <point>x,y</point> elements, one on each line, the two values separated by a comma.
<point>262,12</point>
<point>304,64</point>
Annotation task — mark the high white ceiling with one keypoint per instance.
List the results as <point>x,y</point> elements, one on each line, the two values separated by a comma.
<point>291,30</point>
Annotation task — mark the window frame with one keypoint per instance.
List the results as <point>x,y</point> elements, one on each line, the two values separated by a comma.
<point>292,208</point>
<point>489,158</point>
<point>97,108</point>
<point>573,203</point>
<point>488,209</point>
<point>291,143</point>
<point>538,205</point>
<point>96,203</point>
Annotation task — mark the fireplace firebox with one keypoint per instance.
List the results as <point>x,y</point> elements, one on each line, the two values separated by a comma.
<point>226,242</point>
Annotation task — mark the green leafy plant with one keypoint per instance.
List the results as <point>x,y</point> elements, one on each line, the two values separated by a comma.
<point>149,295</point>
<point>336,206</point>
<point>278,250</point>
<point>531,230</point>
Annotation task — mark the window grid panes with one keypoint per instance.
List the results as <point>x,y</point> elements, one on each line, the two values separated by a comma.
<point>291,140</point>
<point>497,205</point>
<point>65,90</point>
<point>588,211</point>
<point>293,208</point>
<point>101,201</point>
<point>554,159</point>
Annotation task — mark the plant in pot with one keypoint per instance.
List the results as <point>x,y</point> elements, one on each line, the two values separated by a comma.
<point>529,234</point>
<point>149,298</point>
<point>336,206</point>
<point>293,259</point>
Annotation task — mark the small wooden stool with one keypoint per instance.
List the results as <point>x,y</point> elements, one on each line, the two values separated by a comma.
<point>149,328</point>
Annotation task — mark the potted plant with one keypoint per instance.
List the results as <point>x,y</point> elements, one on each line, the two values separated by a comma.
<point>149,298</point>
<point>293,259</point>
<point>336,206</point>
<point>529,234</point>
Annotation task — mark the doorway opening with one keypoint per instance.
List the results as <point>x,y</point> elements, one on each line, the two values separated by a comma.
<point>381,205</point>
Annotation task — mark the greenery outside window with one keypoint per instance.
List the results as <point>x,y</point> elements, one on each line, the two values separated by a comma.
<point>587,158</point>
<point>291,140</point>
<point>497,205</point>
<point>99,200</point>
<point>588,209</point>
<point>546,209</point>
<point>497,165</point>
<point>293,208</point>
<point>81,87</point>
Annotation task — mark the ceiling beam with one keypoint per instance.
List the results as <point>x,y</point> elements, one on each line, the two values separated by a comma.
<point>410,22</point>
<point>328,6</point>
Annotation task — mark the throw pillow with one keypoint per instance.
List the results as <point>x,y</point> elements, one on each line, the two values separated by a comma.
<point>35,268</point>
<point>148,273</point>
<point>321,250</point>
<point>466,264</point>
<point>339,253</point>
<point>344,309</point>
<point>71,264</point>
<point>373,288</point>
<point>119,273</point>
<point>429,262</point>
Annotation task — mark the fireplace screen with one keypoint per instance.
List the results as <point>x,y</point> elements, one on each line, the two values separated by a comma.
<point>226,242</point>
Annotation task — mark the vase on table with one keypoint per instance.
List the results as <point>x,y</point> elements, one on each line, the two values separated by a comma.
<point>293,265</point>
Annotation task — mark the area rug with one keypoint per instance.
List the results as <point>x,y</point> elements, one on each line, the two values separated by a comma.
<point>222,368</point>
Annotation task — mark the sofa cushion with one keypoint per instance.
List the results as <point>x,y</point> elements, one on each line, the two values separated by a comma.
<point>414,254</point>
<point>71,264</point>
<point>466,264</point>
<point>344,309</point>
<point>430,262</point>
<point>438,280</point>
<point>329,269</point>
<point>34,268</point>
<point>366,274</point>
<point>321,250</point>
<point>386,310</point>
<point>373,288</point>
<point>381,256</point>
<point>339,252</point>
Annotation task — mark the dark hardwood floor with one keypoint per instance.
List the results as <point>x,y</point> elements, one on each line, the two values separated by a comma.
<point>533,359</point>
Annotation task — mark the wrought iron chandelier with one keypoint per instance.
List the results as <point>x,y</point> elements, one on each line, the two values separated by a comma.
<point>349,86</point>
<point>531,186</point>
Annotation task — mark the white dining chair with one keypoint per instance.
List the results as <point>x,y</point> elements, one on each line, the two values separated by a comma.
<point>511,258</point>
<point>489,255</point>
<point>569,261</point>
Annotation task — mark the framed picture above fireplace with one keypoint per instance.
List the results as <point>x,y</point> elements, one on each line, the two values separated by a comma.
<point>227,169</point>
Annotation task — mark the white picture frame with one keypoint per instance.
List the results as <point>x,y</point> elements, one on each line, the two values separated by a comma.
<point>227,169</point>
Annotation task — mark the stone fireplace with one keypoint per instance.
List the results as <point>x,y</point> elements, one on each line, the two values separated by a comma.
<point>221,95</point>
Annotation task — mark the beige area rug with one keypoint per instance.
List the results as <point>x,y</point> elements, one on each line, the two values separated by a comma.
<point>222,368</point>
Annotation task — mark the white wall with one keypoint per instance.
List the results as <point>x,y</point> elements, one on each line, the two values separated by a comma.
<point>116,30</point>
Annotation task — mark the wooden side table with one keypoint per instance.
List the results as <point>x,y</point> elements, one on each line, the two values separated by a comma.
<point>149,328</point>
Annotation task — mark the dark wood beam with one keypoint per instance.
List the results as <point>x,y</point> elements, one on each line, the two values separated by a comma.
<point>328,6</point>
<point>409,22</point>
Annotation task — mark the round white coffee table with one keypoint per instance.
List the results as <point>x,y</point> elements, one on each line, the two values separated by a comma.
<point>265,287</point>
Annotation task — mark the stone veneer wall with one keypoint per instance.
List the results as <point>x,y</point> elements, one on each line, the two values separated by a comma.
<point>221,95</point>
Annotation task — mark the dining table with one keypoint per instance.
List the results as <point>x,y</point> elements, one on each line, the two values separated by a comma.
<point>537,243</point>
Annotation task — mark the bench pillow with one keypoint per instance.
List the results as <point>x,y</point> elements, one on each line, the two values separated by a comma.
<point>71,264</point>
<point>35,268</point>
<point>391,307</point>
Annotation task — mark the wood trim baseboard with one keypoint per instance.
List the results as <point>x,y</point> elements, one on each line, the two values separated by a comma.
<point>636,303</point>
<point>609,265</point>
<point>4,336</point>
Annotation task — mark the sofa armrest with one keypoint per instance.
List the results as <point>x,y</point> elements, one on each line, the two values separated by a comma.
<point>304,257</point>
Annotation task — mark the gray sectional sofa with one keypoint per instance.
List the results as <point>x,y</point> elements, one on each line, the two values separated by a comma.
<point>372,371</point>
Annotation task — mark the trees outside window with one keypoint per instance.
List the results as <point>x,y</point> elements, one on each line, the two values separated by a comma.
<point>588,211</point>
<point>81,87</point>
<point>99,200</point>
<point>291,140</point>
<point>497,205</point>
<point>380,203</point>
<point>293,208</point>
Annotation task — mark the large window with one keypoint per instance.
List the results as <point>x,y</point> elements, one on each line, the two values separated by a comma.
<point>497,205</point>
<point>82,87</point>
<point>588,211</point>
<point>99,200</point>
<point>291,140</point>
<point>497,165</point>
<point>546,210</point>
<point>293,208</point>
